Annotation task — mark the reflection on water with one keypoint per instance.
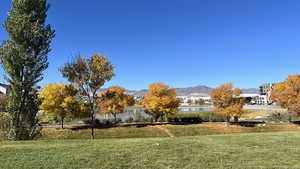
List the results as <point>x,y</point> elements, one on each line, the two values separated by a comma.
<point>137,113</point>
<point>193,109</point>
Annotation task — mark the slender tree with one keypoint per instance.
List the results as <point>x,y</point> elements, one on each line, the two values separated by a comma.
<point>24,58</point>
<point>114,100</point>
<point>160,101</point>
<point>89,75</point>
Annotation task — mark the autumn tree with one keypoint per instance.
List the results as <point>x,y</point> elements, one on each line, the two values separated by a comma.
<point>287,94</point>
<point>160,101</point>
<point>24,57</point>
<point>114,100</point>
<point>227,101</point>
<point>59,100</point>
<point>89,75</point>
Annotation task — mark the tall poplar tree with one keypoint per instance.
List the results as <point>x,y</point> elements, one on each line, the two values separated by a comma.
<point>24,58</point>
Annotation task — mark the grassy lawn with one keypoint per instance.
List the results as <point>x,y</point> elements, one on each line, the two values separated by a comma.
<point>117,132</point>
<point>160,131</point>
<point>255,150</point>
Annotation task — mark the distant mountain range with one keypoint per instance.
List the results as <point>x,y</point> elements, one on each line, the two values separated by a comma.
<point>195,89</point>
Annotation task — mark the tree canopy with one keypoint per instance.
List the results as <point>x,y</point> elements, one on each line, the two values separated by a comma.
<point>287,94</point>
<point>59,100</point>
<point>160,101</point>
<point>89,75</point>
<point>114,100</point>
<point>227,101</point>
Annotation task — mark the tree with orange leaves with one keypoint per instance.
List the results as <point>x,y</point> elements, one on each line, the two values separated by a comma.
<point>227,101</point>
<point>287,94</point>
<point>160,101</point>
<point>114,100</point>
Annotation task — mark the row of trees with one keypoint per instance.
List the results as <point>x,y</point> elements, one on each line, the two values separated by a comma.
<point>64,100</point>
<point>24,57</point>
<point>227,100</point>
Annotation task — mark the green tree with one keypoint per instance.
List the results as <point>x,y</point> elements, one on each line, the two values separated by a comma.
<point>59,100</point>
<point>89,75</point>
<point>24,58</point>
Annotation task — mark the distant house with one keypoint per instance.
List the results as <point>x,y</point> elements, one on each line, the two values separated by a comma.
<point>265,93</point>
<point>263,98</point>
<point>194,97</point>
<point>4,88</point>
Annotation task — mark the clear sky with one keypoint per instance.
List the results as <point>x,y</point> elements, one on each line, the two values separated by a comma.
<point>180,42</point>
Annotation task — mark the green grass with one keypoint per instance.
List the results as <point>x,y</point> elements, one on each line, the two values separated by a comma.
<point>220,128</point>
<point>160,131</point>
<point>117,132</point>
<point>245,151</point>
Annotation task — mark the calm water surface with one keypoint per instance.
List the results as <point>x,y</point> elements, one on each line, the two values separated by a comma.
<point>138,112</point>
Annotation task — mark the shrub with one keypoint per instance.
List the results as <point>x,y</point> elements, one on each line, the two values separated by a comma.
<point>210,116</point>
<point>129,120</point>
<point>279,116</point>
<point>139,119</point>
<point>196,117</point>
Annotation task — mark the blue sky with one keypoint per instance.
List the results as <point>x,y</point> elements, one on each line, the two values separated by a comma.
<point>180,42</point>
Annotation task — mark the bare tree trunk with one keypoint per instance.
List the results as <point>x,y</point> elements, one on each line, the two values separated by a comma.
<point>236,119</point>
<point>227,119</point>
<point>62,123</point>
<point>115,116</point>
<point>93,125</point>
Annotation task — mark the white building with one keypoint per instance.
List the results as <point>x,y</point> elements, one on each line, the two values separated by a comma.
<point>258,99</point>
<point>3,88</point>
<point>194,97</point>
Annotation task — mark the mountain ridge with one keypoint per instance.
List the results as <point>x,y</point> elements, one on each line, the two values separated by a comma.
<point>194,89</point>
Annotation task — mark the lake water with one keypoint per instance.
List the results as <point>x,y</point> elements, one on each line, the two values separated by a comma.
<point>138,112</point>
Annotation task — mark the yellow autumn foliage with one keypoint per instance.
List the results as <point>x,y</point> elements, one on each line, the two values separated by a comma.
<point>160,101</point>
<point>287,94</point>
<point>227,101</point>
<point>114,100</point>
<point>59,100</point>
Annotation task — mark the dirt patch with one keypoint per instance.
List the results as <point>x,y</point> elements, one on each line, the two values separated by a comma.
<point>164,130</point>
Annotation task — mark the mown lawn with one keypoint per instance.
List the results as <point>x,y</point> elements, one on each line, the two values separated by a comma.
<point>163,131</point>
<point>159,131</point>
<point>252,150</point>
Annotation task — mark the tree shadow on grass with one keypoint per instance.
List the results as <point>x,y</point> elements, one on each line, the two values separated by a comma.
<point>295,122</point>
<point>248,123</point>
<point>137,124</point>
